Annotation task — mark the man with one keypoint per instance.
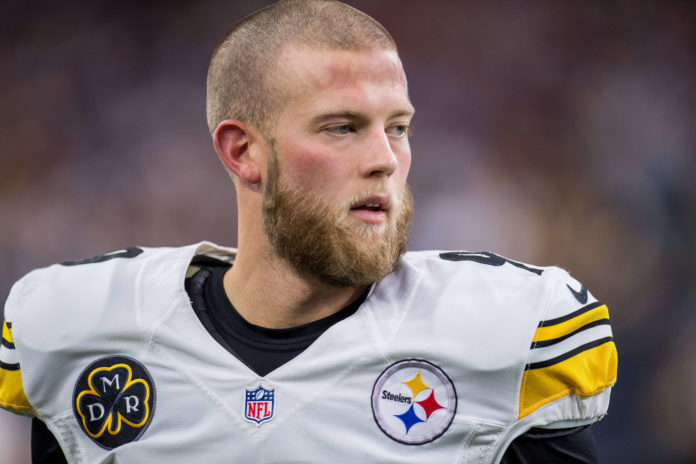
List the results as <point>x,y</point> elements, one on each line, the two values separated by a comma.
<point>318,339</point>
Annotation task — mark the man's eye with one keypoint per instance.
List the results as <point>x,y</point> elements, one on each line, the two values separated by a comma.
<point>398,131</point>
<point>341,130</point>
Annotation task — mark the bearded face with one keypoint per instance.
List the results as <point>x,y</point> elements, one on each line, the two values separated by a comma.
<point>324,242</point>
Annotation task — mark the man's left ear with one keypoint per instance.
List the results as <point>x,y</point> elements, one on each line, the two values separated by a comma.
<point>233,140</point>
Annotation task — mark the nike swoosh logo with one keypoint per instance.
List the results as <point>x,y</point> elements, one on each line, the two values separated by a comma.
<point>581,296</point>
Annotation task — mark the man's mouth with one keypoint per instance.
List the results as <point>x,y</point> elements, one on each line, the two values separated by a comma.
<point>373,209</point>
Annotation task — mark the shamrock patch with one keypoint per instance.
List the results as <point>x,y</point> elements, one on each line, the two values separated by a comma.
<point>114,400</point>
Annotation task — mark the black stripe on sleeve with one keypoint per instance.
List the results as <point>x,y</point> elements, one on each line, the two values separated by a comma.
<point>9,367</point>
<point>8,324</point>
<point>7,344</point>
<point>569,354</point>
<point>553,341</point>
<point>570,316</point>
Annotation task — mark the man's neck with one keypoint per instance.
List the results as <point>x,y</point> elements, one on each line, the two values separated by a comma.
<point>268,292</point>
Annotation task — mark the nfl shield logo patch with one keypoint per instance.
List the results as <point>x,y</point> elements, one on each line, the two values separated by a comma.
<point>259,405</point>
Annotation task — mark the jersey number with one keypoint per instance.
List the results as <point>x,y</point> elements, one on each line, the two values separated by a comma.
<point>131,252</point>
<point>485,257</point>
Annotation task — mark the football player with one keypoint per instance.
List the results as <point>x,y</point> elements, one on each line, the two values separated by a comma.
<point>319,338</point>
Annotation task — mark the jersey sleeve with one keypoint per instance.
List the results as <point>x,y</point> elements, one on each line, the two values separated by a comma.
<point>12,395</point>
<point>572,360</point>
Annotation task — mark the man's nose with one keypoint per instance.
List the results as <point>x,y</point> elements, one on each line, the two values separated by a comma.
<point>380,158</point>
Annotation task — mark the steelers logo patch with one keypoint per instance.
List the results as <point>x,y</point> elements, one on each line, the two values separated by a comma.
<point>413,401</point>
<point>114,400</point>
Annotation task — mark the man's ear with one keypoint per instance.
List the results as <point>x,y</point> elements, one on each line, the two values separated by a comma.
<point>233,140</point>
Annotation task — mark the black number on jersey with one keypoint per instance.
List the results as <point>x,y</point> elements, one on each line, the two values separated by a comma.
<point>131,252</point>
<point>485,257</point>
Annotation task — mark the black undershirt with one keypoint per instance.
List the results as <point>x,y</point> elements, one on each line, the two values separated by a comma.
<point>264,350</point>
<point>261,349</point>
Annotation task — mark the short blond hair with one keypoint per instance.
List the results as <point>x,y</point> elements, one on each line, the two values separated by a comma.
<point>243,82</point>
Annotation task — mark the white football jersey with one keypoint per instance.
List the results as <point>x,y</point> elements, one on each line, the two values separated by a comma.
<point>449,359</point>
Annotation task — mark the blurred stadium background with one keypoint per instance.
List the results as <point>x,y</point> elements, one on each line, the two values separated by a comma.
<point>550,132</point>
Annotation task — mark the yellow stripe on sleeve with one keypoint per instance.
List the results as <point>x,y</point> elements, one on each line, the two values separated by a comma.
<point>585,374</point>
<point>12,395</point>
<point>564,328</point>
<point>7,333</point>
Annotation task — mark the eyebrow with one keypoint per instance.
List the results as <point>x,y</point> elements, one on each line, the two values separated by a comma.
<point>348,114</point>
<point>410,111</point>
